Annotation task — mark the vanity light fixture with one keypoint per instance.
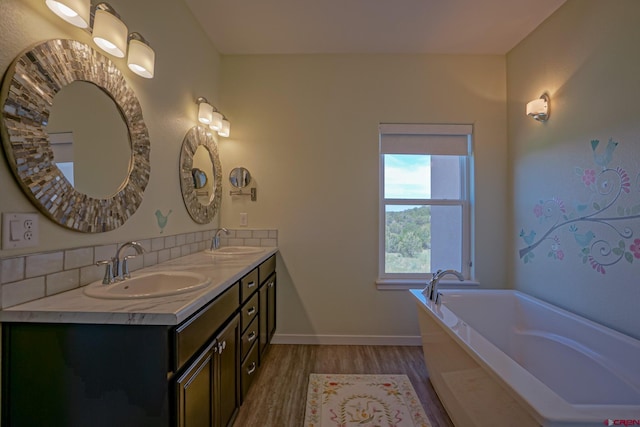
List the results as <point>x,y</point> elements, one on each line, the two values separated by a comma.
<point>109,32</point>
<point>216,120</point>
<point>75,12</point>
<point>205,110</point>
<point>209,115</point>
<point>141,58</point>
<point>226,128</point>
<point>539,108</point>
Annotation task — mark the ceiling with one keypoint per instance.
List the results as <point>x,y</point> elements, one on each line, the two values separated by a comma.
<point>369,26</point>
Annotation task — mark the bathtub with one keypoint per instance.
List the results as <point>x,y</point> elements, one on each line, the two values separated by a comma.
<point>503,358</point>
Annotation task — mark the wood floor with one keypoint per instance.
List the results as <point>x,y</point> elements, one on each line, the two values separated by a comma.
<point>277,397</point>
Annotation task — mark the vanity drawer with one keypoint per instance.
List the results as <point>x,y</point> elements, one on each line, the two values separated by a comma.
<point>249,370</point>
<point>196,331</point>
<point>248,338</point>
<point>249,312</point>
<point>249,284</point>
<point>267,268</point>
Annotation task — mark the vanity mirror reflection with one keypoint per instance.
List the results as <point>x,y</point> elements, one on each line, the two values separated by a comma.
<point>200,175</point>
<point>28,97</point>
<point>240,177</point>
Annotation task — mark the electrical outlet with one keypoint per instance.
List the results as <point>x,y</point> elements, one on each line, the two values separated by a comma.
<point>244,219</point>
<point>19,230</point>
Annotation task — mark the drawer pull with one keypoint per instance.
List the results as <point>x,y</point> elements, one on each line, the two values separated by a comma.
<point>251,311</point>
<point>251,336</point>
<point>252,368</point>
<point>270,284</point>
<point>251,284</point>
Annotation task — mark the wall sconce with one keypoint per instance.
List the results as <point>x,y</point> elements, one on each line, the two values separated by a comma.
<point>539,108</point>
<point>108,32</point>
<point>209,115</point>
<point>75,12</point>
<point>141,59</point>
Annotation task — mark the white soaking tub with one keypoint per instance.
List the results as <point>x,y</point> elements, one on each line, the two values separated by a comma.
<point>504,358</point>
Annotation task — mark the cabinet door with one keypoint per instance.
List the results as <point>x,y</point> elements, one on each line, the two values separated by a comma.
<point>228,342</point>
<point>196,391</point>
<point>267,313</point>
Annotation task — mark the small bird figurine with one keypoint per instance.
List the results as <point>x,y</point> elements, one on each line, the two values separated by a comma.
<point>162,219</point>
<point>603,159</point>
<point>528,239</point>
<point>583,239</point>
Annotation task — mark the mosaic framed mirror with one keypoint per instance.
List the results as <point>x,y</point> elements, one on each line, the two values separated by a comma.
<point>31,87</point>
<point>200,175</point>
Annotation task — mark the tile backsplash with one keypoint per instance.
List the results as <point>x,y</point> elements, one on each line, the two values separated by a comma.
<point>29,277</point>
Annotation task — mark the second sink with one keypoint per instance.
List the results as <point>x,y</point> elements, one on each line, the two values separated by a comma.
<point>149,285</point>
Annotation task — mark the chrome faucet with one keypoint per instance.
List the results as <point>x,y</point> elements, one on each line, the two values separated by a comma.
<point>120,269</point>
<point>431,291</point>
<point>215,242</point>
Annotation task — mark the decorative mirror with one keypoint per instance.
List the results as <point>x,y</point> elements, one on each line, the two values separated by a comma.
<point>29,93</point>
<point>200,175</point>
<point>240,177</point>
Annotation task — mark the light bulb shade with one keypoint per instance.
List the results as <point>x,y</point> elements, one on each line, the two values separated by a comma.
<point>539,108</point>
<point>75,12</point>
<point>204,113</point>
<point>226,128</point>
<point>110,33</point>
<point>141,59</point>
<point>216,121</point>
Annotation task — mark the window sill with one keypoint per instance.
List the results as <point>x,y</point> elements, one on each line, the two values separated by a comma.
<point>404,284</point>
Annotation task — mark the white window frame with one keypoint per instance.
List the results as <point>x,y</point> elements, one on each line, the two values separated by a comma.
<point>425,139</point>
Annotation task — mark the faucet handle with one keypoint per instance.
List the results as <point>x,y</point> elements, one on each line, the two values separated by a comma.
<point>125,267</point>
<point>427,291</point>
<point>108,271</point>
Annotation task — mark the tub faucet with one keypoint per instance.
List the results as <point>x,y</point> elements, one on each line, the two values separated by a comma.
<point>120,269</point>
<point>431,291</point>
<point>215,242</point>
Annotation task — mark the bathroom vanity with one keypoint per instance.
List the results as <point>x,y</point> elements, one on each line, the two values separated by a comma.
<point>180,360</point>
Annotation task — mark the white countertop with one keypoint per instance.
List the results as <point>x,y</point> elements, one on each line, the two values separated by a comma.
<point>76,307</point>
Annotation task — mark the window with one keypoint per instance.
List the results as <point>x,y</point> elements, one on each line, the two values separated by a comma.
<point>425,203</point>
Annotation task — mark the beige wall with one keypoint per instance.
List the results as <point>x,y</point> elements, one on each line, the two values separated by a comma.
<point>186,67</point>
<point>306,128</point>
<point>586,57</point>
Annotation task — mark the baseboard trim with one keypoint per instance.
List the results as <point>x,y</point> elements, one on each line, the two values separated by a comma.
<point>346,340</point>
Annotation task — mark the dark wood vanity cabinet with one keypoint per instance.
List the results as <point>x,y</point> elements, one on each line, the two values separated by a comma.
<point>190,375</point>
<point>267,303</point>
<point>208,389</point>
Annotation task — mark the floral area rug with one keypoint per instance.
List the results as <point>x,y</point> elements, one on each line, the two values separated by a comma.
<point>363,400</point>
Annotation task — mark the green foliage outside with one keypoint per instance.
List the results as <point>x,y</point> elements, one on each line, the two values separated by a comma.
<point>407,240</point>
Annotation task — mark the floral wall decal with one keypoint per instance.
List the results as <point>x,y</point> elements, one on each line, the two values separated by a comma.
<point>598,223</point>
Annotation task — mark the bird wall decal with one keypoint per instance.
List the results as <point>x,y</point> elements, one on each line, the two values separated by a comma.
<point>603,159</point>
<point>162,219</point>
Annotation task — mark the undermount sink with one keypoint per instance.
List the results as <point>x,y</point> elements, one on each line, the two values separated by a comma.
<point>235,250</point>
<point>149,285</point>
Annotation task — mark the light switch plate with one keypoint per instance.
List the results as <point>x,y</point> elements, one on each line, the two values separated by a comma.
<point>20,230</point>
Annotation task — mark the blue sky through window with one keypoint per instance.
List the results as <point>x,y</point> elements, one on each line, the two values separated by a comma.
<point>406,176</point>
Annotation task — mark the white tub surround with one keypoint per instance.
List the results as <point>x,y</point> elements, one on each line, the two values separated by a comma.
<point>503,358</point>
<point>75,307</point>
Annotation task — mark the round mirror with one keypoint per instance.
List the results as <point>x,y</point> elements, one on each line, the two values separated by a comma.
<point>28,93</point>
<point>90,145</point>
<point>240,177</point>
<point>200,175</point>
